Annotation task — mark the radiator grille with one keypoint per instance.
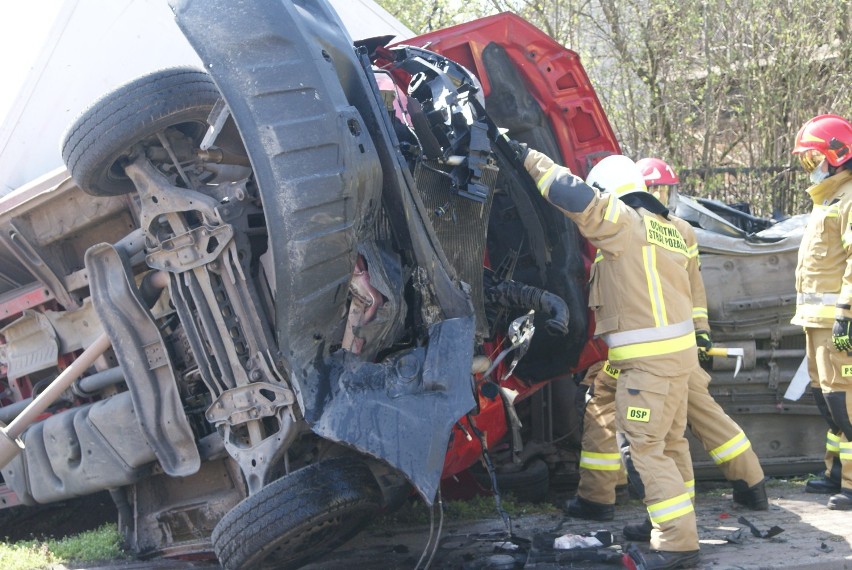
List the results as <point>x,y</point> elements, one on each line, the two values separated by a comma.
<point>461,226</point>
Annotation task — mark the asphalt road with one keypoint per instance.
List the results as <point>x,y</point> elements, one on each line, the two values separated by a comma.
<point>813,538</point>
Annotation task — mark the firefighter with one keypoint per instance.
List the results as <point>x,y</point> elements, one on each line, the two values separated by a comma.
<point>723,439</point>
<point>601,468</point>
<point>824,293</point>
<point>643,309</point>
<point>660,179</point>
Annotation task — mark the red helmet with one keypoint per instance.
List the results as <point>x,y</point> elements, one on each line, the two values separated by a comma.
<point>656,172</point>
<point>825,137</point>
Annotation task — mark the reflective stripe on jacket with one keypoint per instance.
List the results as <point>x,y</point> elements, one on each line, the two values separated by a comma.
<point>693,267</point>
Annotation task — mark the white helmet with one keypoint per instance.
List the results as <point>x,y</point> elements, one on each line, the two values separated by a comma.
<point>618,174</point>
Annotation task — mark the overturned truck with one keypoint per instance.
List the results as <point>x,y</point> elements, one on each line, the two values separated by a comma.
<point>280,295</point>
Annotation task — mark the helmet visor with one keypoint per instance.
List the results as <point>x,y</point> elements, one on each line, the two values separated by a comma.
<point>811,159</point>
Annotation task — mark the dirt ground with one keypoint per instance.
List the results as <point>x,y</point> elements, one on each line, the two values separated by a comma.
<point>813,537</point>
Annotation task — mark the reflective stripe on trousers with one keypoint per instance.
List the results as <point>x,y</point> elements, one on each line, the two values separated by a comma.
<point>730,449</point>
<point>690,488</point>
<point>845,451</point>
<point>670,509</point>
<point>832,442</point>
<point>600,461</point>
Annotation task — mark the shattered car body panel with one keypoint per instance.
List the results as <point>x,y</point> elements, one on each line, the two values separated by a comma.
<point>533,86</point>
<point>348,159</point>
<point>539,91</point>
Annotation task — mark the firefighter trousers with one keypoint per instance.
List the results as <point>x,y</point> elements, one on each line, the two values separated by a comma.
<point>601,469</point>
<point>600,463</point>
<point>721,436</point>
<point>650,410</point>
<point>831,384</point>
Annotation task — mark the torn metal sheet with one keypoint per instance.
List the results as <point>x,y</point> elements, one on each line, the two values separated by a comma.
<point>403,409</point>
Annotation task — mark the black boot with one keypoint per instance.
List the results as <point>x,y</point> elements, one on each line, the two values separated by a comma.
<point>663,559</point>
<point>841,501</point>
<point>827,485</point>
<point>639,532</point>
<point>752,497</point>
<point>580,508</point>
<point>823,486</point>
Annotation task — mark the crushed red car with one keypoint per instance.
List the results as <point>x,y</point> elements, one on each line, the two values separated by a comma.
<point>324,278</point>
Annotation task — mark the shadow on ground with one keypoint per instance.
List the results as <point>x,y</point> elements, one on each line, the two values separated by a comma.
<point>813,537</point>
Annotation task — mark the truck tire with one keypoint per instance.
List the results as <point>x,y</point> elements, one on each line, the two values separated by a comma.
<point>299,517</point>
<point>94,145</point>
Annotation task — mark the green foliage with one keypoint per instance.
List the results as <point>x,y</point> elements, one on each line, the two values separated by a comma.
<point>25,557</point>
<point>101,544</point>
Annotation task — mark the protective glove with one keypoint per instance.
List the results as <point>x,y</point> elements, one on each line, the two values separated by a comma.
<point>520,149</point>
<point>842,335</point>
<point>705,343</point>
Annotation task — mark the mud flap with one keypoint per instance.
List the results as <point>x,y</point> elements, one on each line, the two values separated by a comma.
<point>402,409</point>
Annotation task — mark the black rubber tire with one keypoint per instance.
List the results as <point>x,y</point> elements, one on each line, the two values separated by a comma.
<point>299,517</point>
<point>529,485</point>
<point>95,143</point>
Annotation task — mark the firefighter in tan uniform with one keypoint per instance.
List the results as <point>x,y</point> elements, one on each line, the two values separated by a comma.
<point>721,437</point>
<point>601,468</point>
<point>824,293</point>
<point>643,309</point>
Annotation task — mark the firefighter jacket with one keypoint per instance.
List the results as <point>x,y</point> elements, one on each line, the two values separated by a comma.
<point>824,270</point>
<point>641,293</point>
<point>693,267</point>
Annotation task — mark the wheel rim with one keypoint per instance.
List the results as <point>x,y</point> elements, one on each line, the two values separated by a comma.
<point>192,129</point>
